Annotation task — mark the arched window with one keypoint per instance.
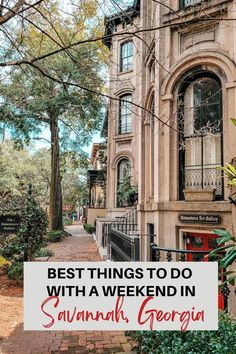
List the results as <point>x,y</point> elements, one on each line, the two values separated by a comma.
<point>123,180</point>
<point>201,137</point>
<point>125,116</point>
<point>126,56</point>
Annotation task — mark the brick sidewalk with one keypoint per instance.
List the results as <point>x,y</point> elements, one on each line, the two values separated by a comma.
<point>73,248</point>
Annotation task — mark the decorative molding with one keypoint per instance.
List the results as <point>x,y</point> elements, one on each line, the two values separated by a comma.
<point>123,88</point>
<point>123,137</point>
<point>169,97</point>
<point>198,58</point>
<point>188,40</point>
<point>194,13</point>
<point>122,155</point>
<point>124,145</point>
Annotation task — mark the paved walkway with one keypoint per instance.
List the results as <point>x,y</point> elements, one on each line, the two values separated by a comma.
<point>79,247</point>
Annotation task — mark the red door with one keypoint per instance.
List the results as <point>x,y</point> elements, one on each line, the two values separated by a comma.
<point>203,242</point>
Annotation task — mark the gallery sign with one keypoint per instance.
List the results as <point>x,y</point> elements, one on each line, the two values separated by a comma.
<point>9,224</point>
<point>114,296</point>
<point>200,218</point>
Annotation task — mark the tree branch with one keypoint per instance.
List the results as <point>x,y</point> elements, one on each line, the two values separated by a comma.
<point>12,12</point>
<point>102,38</point>
<point>44,73</point>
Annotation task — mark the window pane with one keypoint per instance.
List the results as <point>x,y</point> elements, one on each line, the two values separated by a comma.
<point>126,56</point>
<point>124,170</point>
<point>188,112</point>
<point>202,142</point>
<point>125,115</point>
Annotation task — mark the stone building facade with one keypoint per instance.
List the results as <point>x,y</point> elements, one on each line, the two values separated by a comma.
<point>182,82</point>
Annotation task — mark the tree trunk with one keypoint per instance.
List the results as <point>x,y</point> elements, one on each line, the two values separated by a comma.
<point>55,203</point>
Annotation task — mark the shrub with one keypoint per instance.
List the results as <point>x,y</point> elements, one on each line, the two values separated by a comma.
<point>44,252</point>
<point>222,341</point>
<point>68,222</point>
<point>54,236</point>
<point>32,228</point>
<point>12,248</point>
<point>89,228</point>
<point>16,271</point>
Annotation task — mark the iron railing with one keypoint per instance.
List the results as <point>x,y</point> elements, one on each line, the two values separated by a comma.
<point>121,247</point>
<point>121,237</point>
<point>159,254</point>
<point>128,224</point>
<point>106,229</point>
<point>203,177</point>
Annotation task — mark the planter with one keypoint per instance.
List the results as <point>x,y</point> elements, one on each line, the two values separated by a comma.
<point>203,195</point>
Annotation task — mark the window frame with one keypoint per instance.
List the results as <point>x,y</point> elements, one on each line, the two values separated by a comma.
<point>122,45</point>
<point>121,117</point>
<point>181,154</point>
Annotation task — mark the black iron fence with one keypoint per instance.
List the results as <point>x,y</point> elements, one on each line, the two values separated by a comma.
<point>159,254</point>
<point>126,224</point>
<point>106,229</point>
<point>123,247</point>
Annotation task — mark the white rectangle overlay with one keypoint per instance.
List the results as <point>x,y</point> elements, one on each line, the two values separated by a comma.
<point>120,296</point>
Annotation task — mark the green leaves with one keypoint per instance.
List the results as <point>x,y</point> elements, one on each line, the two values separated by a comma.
<point>226,254</point>
<point>225,236</point>
<point>222,341</point>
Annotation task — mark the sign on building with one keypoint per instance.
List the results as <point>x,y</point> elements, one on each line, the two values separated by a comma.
<point>200,219</point>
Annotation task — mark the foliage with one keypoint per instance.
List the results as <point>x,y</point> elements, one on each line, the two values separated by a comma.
<point>68,222</point>
<point>32,228</point>
<point>222,341</point>
<point>3,261</point>
<point>227,246</point>
<point>89,228</point>
<point>19,168</point>
<point>44,252</point>
<point>74,184</point>
<point>16,271</point>
<point>55,236</point>
<point>11,248</point>
<point>10,204</point>
<point>230,173</point>
<point>31,100</point>
<point>126,194</point>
